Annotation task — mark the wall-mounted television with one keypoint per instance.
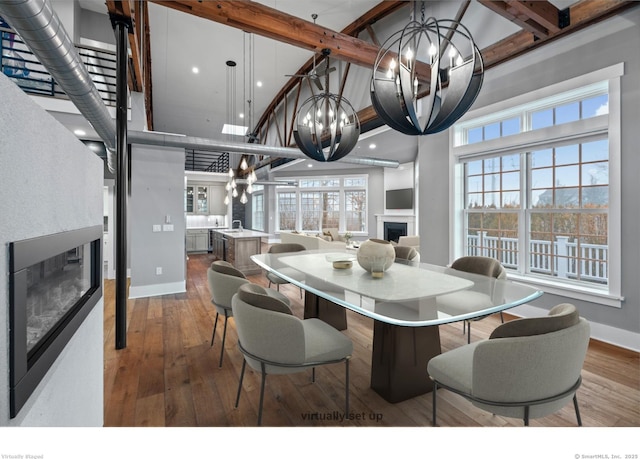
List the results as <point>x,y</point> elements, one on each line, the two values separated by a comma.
<point>399,199</point>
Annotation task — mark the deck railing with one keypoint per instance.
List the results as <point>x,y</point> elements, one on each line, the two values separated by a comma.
<point>559,258</point>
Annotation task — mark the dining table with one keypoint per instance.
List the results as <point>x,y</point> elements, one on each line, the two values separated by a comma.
<point>407,303</point>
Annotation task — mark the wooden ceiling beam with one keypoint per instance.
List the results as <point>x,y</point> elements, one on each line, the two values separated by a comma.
<point>508,10</point>
<point>543,13</point>
<point>268,22</point>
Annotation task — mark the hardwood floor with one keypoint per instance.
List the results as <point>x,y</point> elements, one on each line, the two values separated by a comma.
<point>168,374</point>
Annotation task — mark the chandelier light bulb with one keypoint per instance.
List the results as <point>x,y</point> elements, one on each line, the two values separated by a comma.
<point>233,184</point>
<point>227,186</point>
<point>234,193</point>
<point>243,198</point>
<point>226,200</point>
<point>253,176</point>
<point>231,172</point>
<point>243,164</point>
<point>250,188</point>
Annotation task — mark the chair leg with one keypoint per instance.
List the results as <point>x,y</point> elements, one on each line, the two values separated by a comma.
<point>526,415</point>
<point>300,292</point>
<point>313,374</point>
<point>224,336</point>
<point>469,332</point>
<point>501,317</point>
<point>215,324</point>
<point>262,383</point>
<point>433,394</point>
<point>346,385</point>
<point>269,284</point>
<point>575,405</point>
<point>244,365</point>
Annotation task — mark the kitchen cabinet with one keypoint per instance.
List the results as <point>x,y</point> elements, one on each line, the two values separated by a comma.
<point>197,240</point>
<point>197,199</point>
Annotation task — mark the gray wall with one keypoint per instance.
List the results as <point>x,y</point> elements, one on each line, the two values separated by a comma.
<point>608,43</point>
<point>157,191</point>
<point>49,183</point>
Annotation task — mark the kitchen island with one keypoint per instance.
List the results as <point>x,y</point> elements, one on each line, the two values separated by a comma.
<point>237,246</point>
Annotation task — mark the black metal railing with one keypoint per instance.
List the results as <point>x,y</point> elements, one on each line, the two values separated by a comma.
<point>19,64</point>
<point>206,161</point>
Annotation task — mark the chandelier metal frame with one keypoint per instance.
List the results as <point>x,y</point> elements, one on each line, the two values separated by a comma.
<point>413,58</point>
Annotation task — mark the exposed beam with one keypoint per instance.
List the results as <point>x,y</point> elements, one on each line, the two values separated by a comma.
<point>268,22</point>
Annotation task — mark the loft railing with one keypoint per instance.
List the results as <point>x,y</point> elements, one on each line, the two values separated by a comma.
<point>19,64</point>
<point>559,258</point>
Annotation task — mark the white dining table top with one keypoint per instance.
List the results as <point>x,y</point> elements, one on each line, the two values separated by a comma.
<point>408,294</point>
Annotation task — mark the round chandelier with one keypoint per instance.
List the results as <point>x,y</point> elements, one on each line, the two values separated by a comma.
<point>426,76</point>
<point>327,126</point>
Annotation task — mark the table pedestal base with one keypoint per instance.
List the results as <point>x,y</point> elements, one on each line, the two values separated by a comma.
<point>399,361</point>
<point>323,309</point>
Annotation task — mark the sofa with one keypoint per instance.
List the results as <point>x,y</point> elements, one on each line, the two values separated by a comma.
<point>410,241</point>
<point>314,241</point>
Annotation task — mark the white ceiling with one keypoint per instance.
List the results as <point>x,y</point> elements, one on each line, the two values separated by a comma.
<point>196,104</point>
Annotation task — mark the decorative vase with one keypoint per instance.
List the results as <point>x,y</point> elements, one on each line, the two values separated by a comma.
<point>376,256</point>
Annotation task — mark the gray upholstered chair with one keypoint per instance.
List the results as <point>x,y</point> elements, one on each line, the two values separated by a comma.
<point>485,266</point>
<point>224,281</point>
<point>284,248</point>
<point>528,368</point>
<point>273,341</point>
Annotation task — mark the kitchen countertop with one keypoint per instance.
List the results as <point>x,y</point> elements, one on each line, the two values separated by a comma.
<point>207,227</point>
<point>235,234</point>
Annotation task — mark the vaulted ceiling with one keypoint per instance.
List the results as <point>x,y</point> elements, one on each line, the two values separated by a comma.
<point>171,38</point>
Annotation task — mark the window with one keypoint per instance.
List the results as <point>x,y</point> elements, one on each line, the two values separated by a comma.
<point>536,190</point>
<point>324,202</point>
<point>257,207</point>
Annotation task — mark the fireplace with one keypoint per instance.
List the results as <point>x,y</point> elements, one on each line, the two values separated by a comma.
<point>393,231</point>
<point>54,283</point>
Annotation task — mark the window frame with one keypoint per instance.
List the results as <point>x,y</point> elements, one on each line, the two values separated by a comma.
<point>571,132</point>
<point>342,188</point>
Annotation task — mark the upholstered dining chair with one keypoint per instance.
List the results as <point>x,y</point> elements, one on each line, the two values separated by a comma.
<point>408,253</point>
<point>224,281</point>
<point>274,341</point>
<point>284,248</point>
<point>486,266</point>
<point>528,368</point>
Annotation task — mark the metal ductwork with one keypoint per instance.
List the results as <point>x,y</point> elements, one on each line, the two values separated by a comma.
<point>41,29</point>
<point>199,143</point>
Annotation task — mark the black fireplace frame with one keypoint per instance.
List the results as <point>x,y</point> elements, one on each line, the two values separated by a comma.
<point>26,371</point>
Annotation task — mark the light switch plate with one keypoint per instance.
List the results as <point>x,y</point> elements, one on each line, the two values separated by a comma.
<point>167,227</point>
<point>157,228</point>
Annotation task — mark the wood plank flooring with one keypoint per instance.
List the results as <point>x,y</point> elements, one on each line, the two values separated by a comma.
<point>168,374</point>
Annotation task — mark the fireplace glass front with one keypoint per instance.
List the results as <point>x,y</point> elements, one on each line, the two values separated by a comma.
<point>54,282</point>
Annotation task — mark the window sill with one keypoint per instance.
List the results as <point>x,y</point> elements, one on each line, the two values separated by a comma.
<point>578,292</point>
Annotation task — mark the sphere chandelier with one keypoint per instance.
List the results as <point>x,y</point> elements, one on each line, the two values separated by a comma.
<point>327,126</point>
<point>436,54</point>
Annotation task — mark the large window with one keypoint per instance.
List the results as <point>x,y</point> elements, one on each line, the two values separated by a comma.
<point>257,208</point>
<point>318,202</point>
<point>536,190</point>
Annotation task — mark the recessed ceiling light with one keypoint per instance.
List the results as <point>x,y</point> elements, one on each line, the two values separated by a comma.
<point>309,165</point>
<point>79,132</point>
<point>372,146</point>
<point>195,70</point>
<point>241,115</point>
<point>259,84</point>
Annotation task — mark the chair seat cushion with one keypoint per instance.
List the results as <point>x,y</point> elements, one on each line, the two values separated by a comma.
<point>323,342</point>
<point>454,368</point>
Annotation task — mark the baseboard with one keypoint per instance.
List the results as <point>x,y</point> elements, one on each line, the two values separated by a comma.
<point>616,336</point>
<point>144,291</point>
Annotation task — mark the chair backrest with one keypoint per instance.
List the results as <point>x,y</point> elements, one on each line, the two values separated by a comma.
<point>486,266</point>
<point>286,247</point>
<point>264,332</point>
<point>406,253</point>
<point>543,361</point>
<point>224,281</point>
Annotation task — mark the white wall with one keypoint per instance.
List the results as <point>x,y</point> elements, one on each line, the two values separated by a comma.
<point>157,198</point>
<point>607,43</point>
<point>49,183</point>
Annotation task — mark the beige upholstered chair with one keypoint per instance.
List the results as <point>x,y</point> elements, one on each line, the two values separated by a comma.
<point>528,368</point>
<point>224,281</point>
<point>485,266</point>
<point>408,253</point>
<point>273,341</point>
<point>284,248</point>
